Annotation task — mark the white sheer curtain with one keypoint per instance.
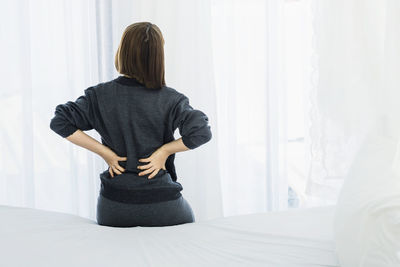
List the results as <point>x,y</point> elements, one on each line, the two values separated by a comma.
<point>227,56</point>
<point>356,86</point>
<point>251,105</point>
<point>50,51</point>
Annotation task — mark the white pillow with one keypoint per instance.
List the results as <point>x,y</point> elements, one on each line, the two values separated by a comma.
<point>367,216</point>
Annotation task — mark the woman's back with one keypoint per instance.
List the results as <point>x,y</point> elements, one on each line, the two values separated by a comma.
<point>135,121</point>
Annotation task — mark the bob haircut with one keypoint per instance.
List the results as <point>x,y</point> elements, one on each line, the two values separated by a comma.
<point>140,54</point>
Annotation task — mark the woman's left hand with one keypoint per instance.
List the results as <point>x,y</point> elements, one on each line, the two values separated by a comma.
<point>112,160</point>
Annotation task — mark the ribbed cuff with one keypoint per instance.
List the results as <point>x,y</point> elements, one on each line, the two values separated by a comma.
<point>67,130</point>
<point>186,140</point>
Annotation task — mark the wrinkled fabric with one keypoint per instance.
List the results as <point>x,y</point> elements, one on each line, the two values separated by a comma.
<point>367,217</point>
<point>293,238</point>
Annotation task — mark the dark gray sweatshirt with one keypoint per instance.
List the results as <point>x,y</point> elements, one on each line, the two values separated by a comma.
<point>134,121</point>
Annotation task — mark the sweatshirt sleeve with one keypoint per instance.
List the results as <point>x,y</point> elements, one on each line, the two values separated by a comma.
<point>192,123</point>
<point>71,116</point>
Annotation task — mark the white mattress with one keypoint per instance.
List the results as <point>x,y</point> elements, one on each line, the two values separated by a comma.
<point>32,237</point>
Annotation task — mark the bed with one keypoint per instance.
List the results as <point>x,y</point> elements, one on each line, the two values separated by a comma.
<point>303,237</point>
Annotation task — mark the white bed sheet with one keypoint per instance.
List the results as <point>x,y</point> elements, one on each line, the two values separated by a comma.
<point>304,237</point>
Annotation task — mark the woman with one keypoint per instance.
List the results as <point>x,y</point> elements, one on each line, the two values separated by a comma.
<point>136,115</point>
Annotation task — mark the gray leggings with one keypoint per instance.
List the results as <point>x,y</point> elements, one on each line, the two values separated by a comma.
<point>166,213</point>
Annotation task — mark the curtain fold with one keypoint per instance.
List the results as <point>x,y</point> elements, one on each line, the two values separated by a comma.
<point>251,105</point>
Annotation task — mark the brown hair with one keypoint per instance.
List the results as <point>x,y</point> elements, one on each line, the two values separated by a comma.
<point>140,54</point>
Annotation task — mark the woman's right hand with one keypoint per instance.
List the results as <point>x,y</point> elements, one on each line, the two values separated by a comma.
<point>112,160</point>
<point>155,162</point>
